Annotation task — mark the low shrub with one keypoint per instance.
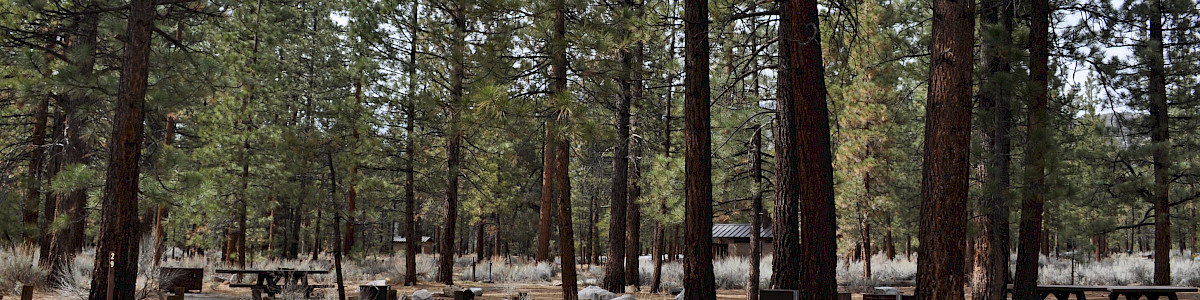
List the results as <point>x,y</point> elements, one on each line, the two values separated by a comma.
<point>18,266</point>
<point>514,272</point>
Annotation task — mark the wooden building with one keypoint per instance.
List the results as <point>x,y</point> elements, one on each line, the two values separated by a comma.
<point>734,239</point>
<point>426,246</point>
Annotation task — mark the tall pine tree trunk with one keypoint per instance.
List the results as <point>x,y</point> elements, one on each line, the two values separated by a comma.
<point>786,265</point>
<point>351,189</point>
<point>698,255</point>
<point>944,178</point>
<point>547,204</point>
<point>633,230</point>
<point>410,219</point>
<point>337,224</point>
<point>804,111</point>
<point>660,243</point>
<point>33,193</point>
<point>614,270</point>
<point>991,244</point>
<point>566,235</point>
<point>593,232</point>
<point>889,242</point>
<point>864,226</point>
<point>118,240</point>
<point>60,245</point>
<point>50,199</point>
<point>316,244</point>
<point>447,247</point>
<point>755,214</point>
<point>1031,234</point>
<point>67,241</point>
<point>239,236</point>
<point>1161,140</point>
<point>562,159</point>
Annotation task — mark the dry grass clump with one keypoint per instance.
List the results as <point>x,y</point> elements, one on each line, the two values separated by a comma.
<point>884,272</point>
<point>513,272</point>
<point>18,266</point>
<point>1120,269</point>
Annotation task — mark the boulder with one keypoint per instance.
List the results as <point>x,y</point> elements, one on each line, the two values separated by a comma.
<point>595,293</point>
<point>422,295</point>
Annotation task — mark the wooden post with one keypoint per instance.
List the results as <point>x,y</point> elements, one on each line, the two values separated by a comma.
<point>112,262</point>
<point>26,292</point>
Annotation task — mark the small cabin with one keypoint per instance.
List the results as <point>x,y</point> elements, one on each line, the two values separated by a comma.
<point>426,246</point>
<point>734,239</point>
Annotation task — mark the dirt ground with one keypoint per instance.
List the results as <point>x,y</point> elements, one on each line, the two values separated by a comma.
<point>492,291</point>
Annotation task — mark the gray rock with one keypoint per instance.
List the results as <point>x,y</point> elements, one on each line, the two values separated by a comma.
<point>422,295</point>
<point>595,293</point>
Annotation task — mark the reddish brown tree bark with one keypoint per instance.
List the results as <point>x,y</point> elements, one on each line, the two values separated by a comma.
<point>1032,236</point>
<point>698,254</point>
<point>633,230</point>
<point>806,154</point>
<point>566,235</point>
<point>991,250</point>
<point>117,239</point>
<point>944,179</point>
<point>59,245</point>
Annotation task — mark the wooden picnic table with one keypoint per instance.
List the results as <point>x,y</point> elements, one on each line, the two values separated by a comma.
<point>1150,292</point>
<point>1062,292</point>
<point>273,281</point>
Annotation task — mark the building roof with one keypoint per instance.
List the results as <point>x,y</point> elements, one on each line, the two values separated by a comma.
<point>738,231</point>
<point>400,239</point>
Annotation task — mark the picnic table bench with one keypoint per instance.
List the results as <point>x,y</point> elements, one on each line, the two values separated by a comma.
<point>273,281</point>
<point>1061,292</point>
<point>1150,292</point>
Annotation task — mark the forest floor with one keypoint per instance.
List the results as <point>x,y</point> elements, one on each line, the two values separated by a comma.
<point>496,291</point>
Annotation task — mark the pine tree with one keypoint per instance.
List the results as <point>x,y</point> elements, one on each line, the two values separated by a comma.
<point>1026,278</point>
<point>991,244</point>
<point>944,178</point>
<point>117,238</point>
<point>698,268</point>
